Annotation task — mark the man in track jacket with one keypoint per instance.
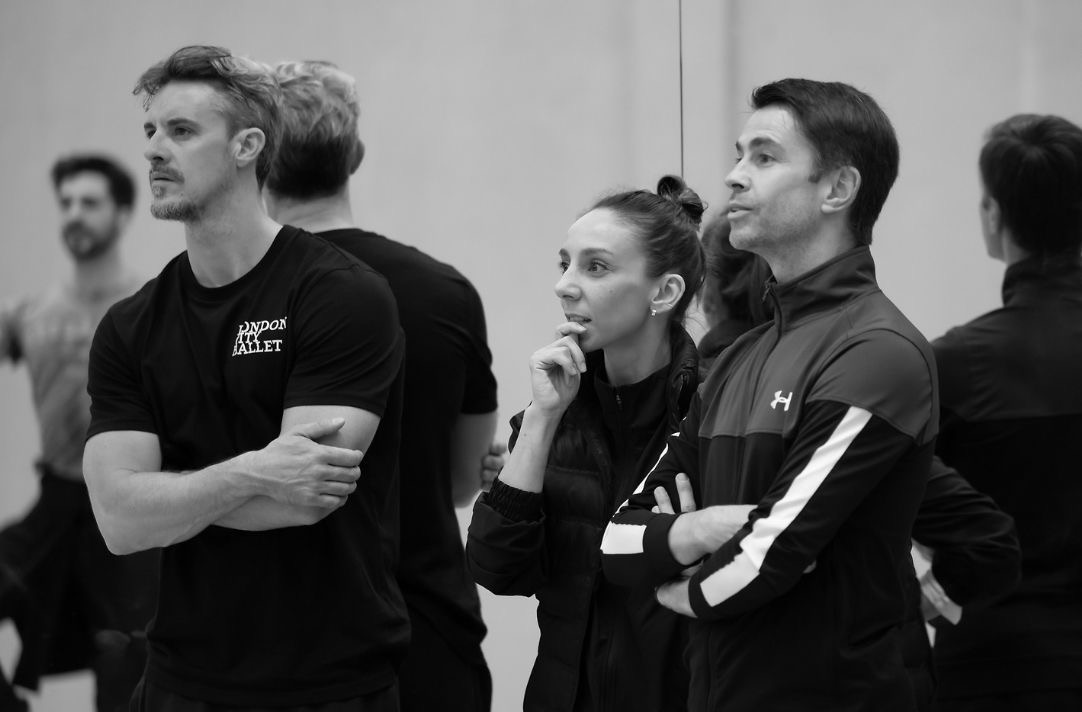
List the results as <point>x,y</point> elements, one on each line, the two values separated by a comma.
<point>823,421</point>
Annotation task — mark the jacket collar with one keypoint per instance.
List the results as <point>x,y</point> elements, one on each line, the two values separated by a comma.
<point>1037,276</point>
<point>683,376</point>
<point>827,287</point>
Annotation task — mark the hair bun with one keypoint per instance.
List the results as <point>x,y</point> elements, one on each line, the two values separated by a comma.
<point>674,189</point>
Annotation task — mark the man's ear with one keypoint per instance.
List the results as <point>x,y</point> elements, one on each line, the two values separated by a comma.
<point>247,144</point>
<point>843,188</point>
<point>991,215</point>
<point>669,290</point>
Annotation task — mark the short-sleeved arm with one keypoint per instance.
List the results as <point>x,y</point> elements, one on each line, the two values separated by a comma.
<point>117,401</point>
<point>872,405</point>
<point>348,345</point>
<point>479,395</point>
<point>635,547</point>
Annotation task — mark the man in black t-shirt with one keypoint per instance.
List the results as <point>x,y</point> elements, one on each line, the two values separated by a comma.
<point>450,392</point>
<point>232,399</point>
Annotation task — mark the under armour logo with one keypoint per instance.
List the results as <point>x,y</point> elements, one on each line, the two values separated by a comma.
<point>778,399</point>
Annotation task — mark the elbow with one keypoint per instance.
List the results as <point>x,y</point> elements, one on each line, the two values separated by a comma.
<point>117,541</point>
<point>501,581</point>
<point>118,534</point>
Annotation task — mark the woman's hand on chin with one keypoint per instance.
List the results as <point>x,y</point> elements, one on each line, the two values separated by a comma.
<point>555,370</point>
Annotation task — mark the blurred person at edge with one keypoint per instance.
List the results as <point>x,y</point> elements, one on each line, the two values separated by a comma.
<point>1011,423</point>
<point>74,604</point>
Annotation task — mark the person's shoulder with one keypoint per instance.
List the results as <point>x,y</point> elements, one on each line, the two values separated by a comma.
<point>424,287</point>
<point>318,267</point>
<point>394,259</point>
<point>883,364</point>
<point>987,332</point>
<point>144,293</point>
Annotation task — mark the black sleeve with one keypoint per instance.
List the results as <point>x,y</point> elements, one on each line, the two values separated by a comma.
<point>976,555</point>
<point>480,392</point>
<point>348,343</point>
<point>635,548</point>
<point>872,405</point>
<point>117,401</point>
<point>841,454</point>
<point>505,542</point>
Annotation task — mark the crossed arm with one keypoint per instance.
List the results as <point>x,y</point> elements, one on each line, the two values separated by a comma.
<point>298,478</point>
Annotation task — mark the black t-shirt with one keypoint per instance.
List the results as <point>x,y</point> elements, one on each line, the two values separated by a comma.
<point>448,371</point>
<point>291,616</point>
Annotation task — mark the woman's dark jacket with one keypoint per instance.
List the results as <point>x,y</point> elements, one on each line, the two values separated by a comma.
<point>548,545</point>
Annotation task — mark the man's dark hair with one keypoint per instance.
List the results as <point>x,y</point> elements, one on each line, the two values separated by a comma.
<point>1032,166</point>
<point>320,148</point>
<point>251,95</point>
<point>845,128</point>
<point>121,185</point>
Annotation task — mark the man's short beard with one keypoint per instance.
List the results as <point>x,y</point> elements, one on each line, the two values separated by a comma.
<point>82,251</point>
<point>182,210</point>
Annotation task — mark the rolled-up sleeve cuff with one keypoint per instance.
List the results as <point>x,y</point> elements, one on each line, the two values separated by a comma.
<point>513,503</point>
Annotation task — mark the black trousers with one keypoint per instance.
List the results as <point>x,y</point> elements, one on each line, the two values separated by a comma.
<point>435,676</point>
<point>74,604</point>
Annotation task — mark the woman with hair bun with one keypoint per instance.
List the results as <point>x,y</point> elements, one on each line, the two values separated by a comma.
<point>606,393</point>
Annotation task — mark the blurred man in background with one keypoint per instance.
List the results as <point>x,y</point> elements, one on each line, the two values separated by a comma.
<point>75,604</point>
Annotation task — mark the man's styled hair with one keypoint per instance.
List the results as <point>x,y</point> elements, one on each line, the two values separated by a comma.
<point>1032,166</point>
<point>121,185</point>
<point>250,93</point>
<point>845,128</point>
<point>320,148</point>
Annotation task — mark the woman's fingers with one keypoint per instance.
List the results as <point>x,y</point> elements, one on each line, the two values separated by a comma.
<point>565,353</point>
<point>687,495</point>
<point>664,504</point>
<point>569,328</point>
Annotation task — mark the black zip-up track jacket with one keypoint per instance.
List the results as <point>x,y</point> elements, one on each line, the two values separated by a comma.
<point>1012,425</point>
<point>825,419</point>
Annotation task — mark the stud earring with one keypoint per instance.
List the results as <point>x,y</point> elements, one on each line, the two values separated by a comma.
<point>653,312</point>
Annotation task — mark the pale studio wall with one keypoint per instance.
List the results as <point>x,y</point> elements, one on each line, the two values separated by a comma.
<point>490,124</point>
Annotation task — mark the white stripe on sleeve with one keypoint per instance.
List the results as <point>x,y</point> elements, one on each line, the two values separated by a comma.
<point>623,538</point>
<point>742,570</point>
